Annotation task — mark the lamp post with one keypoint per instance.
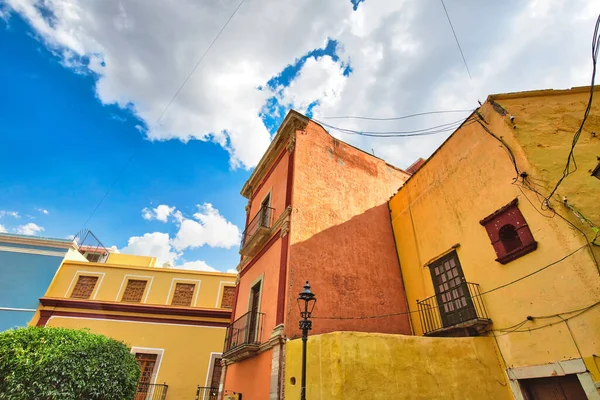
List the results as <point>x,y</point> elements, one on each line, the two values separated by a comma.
<point>306,303</point>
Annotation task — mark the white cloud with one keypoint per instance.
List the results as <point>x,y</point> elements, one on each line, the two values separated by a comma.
<point>156,244</point>
<point>29,229</point>
<point>208,227</point>
<point>402,54</point>
<point>196,266</point>
<point>3,229</point>
<point>70,237</point>
<point>160,213</point>
<point>14,214</point>
<point>232,271</point>
<point>42,210</point>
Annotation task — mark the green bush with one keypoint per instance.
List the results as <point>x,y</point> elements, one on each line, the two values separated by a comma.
<point>65,364</point>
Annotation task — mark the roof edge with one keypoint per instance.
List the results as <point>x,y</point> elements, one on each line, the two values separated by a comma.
<point>37,241</point>
<point>541,92</point>
<point>273,150</point>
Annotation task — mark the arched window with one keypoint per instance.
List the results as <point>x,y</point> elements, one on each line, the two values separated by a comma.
<point>510,238</point>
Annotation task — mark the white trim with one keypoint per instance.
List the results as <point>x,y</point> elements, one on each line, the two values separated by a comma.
<point>17,309</point>
<point>126,278</point>
<point>79,273</point>
<point>587,383</point>
<point>34,251</point>
<point>558,368</point>
<point>222,284</point>
<point>211,366</point>
<point>137,322</point>
<point>196,289</point>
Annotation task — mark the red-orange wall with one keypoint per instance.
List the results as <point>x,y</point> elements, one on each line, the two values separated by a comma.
<point>341,237</point>
<point>276,184</point>
<point>250,377</point>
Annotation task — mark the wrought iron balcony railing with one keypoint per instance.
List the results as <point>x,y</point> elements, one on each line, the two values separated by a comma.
<point>258,228</point>
<point>151,391</point>
<point>207,393</point>
<point>459,307</point>
<point>242,338</point>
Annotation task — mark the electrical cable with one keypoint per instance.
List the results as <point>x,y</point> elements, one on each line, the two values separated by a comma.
<point>397,118</point>
<point>456,38</point>
<point>114,182</point>
<point>571,157</point>
<point>466,297</point>
<point>448,127</point>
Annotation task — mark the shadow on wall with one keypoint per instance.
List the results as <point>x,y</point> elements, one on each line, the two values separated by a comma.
<point>353,269</point>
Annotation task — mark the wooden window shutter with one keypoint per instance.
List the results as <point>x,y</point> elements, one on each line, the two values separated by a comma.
<point>228,296</point>
<point>134,291</point>
<point>183,294</point>
<point>84,287</point>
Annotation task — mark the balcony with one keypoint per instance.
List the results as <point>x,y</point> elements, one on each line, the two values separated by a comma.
<point>456,312</point>
<point>242,339</point>
<point>150,391</point>
<point>257,232</point>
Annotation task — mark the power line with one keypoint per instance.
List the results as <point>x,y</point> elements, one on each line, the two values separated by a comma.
<point>571,157</point>
<point>469,297</point>
<point>417,132</point>
<point>456,38</point>
<point>397,118</point>
<point>114,182</point>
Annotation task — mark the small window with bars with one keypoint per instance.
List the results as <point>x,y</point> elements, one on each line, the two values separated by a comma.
<point>183,294</point>
<point>228,296</point>
<point>84,287</point>
<point>134,291</point>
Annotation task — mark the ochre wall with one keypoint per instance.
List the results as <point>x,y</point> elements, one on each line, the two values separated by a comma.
<point>130,259</point>
<point>251,377</point>
<point>341,237</point>
<point>467,179</point>
<point>187,349</point>
<point>352,365</point>
<point>159,292</point>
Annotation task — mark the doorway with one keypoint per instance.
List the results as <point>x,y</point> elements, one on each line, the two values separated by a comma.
<point>565,387</point>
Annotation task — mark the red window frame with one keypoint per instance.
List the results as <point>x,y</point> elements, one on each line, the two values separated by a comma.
<point>509,215</point>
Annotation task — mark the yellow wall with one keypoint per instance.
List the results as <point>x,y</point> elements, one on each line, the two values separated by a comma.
<point>112,281</point>
<point>187,349</point>
<point>352,365</point>
<point>467,179</point>
<point>130,259</point>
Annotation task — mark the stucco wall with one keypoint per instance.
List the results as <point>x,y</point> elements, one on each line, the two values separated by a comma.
<point>24,279</point>
<point>351,365</point>
<point>112,278</point>
<point>187,349</point>
<point>130,259</point>
<point>467,179</point>
<point>251,377</point>
<point>341,238</point>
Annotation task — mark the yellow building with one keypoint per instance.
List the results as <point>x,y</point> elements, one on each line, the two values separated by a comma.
<point>174,320</point>
<point>482,253</point>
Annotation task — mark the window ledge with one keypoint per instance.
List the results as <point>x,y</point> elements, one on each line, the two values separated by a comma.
<point>520,252</point>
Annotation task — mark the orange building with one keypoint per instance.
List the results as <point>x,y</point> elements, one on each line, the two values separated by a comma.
<point>317,210</point>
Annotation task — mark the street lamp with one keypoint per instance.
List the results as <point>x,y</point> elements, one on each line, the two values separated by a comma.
<point>306,303</point>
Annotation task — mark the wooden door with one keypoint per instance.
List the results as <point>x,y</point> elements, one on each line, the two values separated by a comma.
<point>265,211</point>
<point>254,304</point>
<point>554,388</point>
<point>146,363</point>
<point>451,291</point>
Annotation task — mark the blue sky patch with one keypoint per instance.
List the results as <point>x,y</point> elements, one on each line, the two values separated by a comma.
<point>355,4</point>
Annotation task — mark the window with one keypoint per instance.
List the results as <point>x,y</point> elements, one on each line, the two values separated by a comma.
<point>509,233</point>
<point>254,317</point>
<point>84,287</point>
<point>228,296</point>
<point>146,363</point>
<point>183,294</point>
<point>134,291</point>
<point>596,171</point>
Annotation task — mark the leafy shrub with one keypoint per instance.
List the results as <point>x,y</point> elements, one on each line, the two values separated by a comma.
<point>65,364</point>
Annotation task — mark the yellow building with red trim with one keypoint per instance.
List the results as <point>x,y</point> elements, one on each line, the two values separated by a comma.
<point>174,320</point>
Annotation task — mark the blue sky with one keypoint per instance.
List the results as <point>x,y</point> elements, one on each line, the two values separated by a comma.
<point>83,84</point>
<point>63,149</point>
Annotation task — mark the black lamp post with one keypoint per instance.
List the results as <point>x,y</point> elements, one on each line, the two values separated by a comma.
<point>306,303</point>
